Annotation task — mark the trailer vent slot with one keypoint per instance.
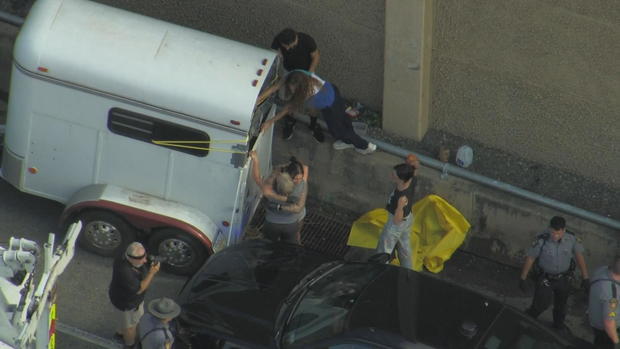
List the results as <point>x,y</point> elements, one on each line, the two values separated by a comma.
<point>149,129</point>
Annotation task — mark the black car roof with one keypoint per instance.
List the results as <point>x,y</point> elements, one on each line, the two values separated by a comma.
<point>242,286</point>
<point>422,308</point>
<point>238,291</point>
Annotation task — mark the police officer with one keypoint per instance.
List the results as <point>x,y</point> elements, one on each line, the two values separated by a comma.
<point>603,305</point>
<point>552,253</point>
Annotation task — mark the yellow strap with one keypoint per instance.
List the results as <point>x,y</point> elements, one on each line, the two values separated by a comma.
<point>202,142</point>
<point>171,144</point>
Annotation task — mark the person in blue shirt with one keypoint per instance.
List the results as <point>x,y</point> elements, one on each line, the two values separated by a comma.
<point>309,90</point>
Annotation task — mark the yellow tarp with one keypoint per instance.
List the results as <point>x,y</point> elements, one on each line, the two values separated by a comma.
<point>438,230</point>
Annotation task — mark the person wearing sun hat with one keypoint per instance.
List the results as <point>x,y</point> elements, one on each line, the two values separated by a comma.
<point>154,328</point>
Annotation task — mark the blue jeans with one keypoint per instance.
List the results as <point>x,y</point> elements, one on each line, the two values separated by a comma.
<point>397,233</point>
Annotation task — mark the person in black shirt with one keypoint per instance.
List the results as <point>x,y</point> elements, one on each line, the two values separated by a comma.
<point>396,231</point>
<point>299,52</point>
<point>130,280</point>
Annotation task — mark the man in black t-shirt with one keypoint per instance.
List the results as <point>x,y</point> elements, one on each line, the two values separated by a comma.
<point>298,51</point>
<point>397,230</point>
<point>130,280</point>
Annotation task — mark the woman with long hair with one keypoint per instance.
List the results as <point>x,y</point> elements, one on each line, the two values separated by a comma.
<point>307,89</point>
<point>285,191</point>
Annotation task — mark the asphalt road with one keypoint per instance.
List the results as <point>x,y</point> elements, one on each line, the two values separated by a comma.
<point>82,289</point>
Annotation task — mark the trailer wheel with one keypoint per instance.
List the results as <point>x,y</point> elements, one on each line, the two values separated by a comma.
<point>183,254</point>
<point>104,233</point>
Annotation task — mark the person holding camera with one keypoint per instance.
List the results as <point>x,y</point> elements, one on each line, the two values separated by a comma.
<point>130,279</point>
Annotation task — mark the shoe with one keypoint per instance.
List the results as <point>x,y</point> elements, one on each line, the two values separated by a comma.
<point>340,145</point>
<point>317,134</point>
<point>287,131</point>
<point>369,149</point>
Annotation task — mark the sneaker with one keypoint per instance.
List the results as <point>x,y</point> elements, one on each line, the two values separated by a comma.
<point>369,149</point>
<point>340,145</point>
<point>287,131</point>
<point>317,133</point>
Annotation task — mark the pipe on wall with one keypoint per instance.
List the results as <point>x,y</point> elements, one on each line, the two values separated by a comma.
<point>448,169</point>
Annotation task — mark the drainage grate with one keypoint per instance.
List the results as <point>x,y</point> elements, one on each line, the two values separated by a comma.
<point>321,233</point>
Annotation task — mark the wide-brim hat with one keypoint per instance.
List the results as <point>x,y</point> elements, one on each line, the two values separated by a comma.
<point>164,308</point>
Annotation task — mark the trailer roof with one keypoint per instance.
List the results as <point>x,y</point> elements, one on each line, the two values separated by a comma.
<point>144,59</point>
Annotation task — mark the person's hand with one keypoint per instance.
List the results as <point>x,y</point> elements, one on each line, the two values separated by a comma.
<point>155,267</point>
<point>266,125</point>
<point>585,285</point>
<point>523,285</point>
<point>306,172</point>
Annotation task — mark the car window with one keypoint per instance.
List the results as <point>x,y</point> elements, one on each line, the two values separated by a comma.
<point>513,330</point>
<point>322,311</point>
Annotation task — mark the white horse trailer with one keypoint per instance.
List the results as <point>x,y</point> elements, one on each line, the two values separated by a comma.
<point>140,127</point>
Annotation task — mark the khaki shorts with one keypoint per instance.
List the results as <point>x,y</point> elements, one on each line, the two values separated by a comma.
<point>129,318</point>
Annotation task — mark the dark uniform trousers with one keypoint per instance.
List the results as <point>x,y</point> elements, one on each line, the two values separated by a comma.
<point>602,340</point>
<point>339,124</point>
<point>550,287</point>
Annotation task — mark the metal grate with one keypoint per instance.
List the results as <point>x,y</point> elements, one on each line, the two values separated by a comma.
<point>319,232</point>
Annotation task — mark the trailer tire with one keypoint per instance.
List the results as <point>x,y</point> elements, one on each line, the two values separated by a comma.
<point>104,233</point>
<point>183,254</point>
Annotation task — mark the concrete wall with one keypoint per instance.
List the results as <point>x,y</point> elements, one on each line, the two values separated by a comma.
<point>538,78</point>
<point>503,227</point>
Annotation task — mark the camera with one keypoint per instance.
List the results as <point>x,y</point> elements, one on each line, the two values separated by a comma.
<point>156,259</point>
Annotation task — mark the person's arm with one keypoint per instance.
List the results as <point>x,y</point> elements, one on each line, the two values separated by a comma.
<point>265,186</point>
<point>299,205</point>
<point>399,214</point>
<point>581,262</point>
<point>315,58</point>
<point>269,91</point>
<point>256,169</point>
<point>610,329</point>
<point>144,284</point>
<point>282,113</point>
<point>529,262</point>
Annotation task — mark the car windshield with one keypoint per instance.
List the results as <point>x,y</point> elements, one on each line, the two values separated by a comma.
<point>512,330</point>
<point>322,311</point>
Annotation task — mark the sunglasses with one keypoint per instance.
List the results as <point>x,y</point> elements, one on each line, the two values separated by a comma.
<point>137,257</point>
